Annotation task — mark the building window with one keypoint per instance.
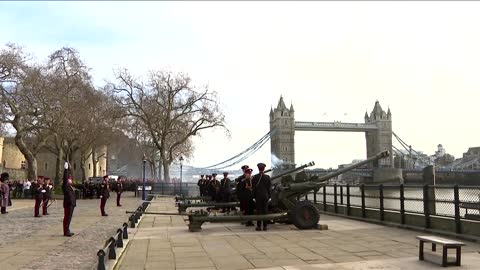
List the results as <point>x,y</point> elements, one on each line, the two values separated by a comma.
<point>4,164</point>
<point>89,166</point>
<point>74,166</point>
<point>23,165</point>
<point>46,166</point>
<point>100,169</point>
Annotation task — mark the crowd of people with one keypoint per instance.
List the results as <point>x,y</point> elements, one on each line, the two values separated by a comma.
<point>252,191</point>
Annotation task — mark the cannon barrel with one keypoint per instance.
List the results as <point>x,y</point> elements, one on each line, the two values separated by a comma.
<point>294,170</point>
<point>380,155</point>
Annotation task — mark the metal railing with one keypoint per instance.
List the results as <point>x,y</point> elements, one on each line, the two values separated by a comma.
<point>109,250</point>
<point>449,202</point>
<point>116,241</point>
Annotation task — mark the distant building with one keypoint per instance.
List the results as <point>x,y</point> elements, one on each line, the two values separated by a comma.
<point>15,164</point>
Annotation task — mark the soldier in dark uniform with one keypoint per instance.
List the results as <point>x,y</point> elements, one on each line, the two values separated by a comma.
<point>225,190</point>
<point>239,189</point>
<point>261,192</point>
<point>91,189</point>
<point>246,191</point>
<point>39,191</point>
<point>104,195</point>
<point>201,185</point>
<point>69,200</point>
<point>48,186</point>
<point>119,190</point>
<point>215,186</point>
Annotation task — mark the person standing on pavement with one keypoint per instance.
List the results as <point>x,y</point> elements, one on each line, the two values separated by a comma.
<point>4,193</point>
<point>261,192</point>
<point>26,189</point>
<point>48,186</point>
<point>69,200</point>
<point>104,195</point>
<point>225,190</point>
<point>119,190</point>
<point>39,192</point>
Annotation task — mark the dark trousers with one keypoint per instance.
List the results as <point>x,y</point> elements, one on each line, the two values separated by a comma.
<point>226,199</point>
<point>262,209</point>
<point>67,218</point>
<point>37,206</point>
<point>4,210</point>
<point>103,201</point>
<point>118,198</point>
<point>44,206</point>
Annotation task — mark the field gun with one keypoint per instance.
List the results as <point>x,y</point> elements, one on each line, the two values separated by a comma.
<point>284,206</point>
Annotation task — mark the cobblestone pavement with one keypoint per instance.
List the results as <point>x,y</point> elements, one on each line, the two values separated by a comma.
<point>163,242</point>
<point>38,243</point>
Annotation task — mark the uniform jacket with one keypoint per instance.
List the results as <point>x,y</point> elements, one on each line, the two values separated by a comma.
<point>105,192</point>
<point>225,185</point>
<point>5,193</point>
<point>261,186</point>
<point>69,198</point>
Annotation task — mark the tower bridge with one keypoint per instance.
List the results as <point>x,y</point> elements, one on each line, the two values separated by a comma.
<point>377,128</point>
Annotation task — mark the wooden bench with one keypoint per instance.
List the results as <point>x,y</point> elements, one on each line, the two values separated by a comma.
<point>446,243</point>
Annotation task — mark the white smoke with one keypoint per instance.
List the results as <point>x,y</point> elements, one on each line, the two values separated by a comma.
<point>276,162</point>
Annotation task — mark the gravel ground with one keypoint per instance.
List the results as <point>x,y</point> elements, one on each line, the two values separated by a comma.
<point>44,236</point>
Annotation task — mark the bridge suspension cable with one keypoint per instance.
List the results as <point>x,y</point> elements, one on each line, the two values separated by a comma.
<point>242,155</point>
<point>412,151</point>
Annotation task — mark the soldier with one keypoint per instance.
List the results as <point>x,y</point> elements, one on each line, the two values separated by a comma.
<point>216,187</point>
<point>261,191</point>
<point>201,185</point>
<point>69,200</point>
<point>119,190</point>
<point>245,194</point>
<point>104,195</point>
<point>240,189</point>
<point>39,192</point>
<point>224,191</point>
<point>4,192</point>
<point>48,186</point>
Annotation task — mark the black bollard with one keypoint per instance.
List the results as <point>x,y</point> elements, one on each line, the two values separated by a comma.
<point>119,242</point>
<point>101,259</point>
<point>125,233</point>
<point>111,249</point>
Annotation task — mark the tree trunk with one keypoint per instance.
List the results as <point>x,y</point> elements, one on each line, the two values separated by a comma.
<point>166,170</point>
<point>59,167</point>
<point>159,171</point>
<point>94,156</point>
<point>29,156</point>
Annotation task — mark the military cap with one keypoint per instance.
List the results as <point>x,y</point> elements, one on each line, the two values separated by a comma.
<point>244,167</point>
<point>261,165</point>
<point>248,170</point>
<point>225,173</point>
<point>214,174</point>
<point>105,177</point>
<point>201,175</point>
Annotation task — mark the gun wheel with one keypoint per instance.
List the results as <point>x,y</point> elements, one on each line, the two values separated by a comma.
<point>304,215</point>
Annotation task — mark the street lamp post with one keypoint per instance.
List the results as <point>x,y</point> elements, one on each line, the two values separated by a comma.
<point>144,197</point>
<point>181,173</point>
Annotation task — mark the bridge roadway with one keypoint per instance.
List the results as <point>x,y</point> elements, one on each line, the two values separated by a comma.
<point>334,126</point>
<point>163,242</point>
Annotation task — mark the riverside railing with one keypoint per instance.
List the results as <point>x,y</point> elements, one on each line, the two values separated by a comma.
<point>455,208</point>
<point>109,250</point>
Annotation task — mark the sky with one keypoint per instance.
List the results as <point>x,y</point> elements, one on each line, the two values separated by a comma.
<point>331,60</point>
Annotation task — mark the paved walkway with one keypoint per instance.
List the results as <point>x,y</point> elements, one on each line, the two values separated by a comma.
<point>163,242</point>
<point>38,243</point>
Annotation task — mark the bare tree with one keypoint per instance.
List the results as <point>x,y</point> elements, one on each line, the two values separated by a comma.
<point>25,103</point>
<point>170,108</point>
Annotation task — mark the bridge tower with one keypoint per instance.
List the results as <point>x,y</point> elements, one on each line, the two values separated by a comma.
<point>380,139</point>
<point>282,137</point>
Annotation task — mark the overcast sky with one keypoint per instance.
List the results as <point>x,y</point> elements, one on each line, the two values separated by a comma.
<point>332,60</point>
